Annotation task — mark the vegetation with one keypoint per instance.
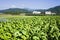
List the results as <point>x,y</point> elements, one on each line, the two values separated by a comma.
<point>55,10</point>
<point>15,11</point>
<point>30,28</point>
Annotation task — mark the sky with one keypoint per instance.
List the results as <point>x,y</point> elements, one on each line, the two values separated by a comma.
<point>32,4</point>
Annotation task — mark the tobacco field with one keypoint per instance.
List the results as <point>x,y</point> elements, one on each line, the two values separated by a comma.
<point>30,28</point>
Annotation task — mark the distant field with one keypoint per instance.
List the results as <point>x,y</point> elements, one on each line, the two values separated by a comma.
<point>29,27</point>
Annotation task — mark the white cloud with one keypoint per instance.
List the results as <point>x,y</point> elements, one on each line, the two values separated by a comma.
<point>22,5</point>
<point>18,6</point>
<point>13,6</point>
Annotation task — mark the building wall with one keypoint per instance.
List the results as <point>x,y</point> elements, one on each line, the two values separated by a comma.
<point>48,12</point>
<point>36,12</point>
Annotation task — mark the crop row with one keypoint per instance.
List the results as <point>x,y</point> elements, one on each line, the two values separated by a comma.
<point>30,28</point>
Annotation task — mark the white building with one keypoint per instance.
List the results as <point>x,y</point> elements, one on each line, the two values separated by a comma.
<point>53,13</point>
<point>36,12</point>
<point>48,12</point>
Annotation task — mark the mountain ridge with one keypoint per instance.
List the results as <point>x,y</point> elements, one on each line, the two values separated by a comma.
<point>55,9</point>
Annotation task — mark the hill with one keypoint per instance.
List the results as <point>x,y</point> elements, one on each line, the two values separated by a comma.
<point>15,11</point>
<point>55,9</point>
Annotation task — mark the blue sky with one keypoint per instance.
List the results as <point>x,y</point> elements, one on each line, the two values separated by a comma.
<point>32,4</point>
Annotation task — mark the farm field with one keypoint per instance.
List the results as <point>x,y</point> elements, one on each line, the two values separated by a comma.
<point>30,28</point>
